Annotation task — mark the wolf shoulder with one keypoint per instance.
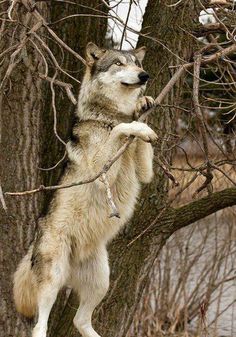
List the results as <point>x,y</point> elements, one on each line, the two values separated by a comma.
<point>85,139</point>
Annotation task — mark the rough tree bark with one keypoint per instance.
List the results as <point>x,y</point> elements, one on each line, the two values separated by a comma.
<point>28,141</point>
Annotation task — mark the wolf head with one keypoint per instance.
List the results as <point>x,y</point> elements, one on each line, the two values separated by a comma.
<point>121,69</point>
<point>113,79</point>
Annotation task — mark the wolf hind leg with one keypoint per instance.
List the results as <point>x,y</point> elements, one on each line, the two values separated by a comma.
<point>93,283</point>
<point>46,299</point>
<point>55,278</point>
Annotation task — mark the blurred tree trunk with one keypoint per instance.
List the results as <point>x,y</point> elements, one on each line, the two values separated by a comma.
<point>27,138</point>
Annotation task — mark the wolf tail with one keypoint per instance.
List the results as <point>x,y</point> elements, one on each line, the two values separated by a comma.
<point>25,287</point>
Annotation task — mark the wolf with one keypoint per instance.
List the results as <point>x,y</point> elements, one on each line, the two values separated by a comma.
<point>70,246</point>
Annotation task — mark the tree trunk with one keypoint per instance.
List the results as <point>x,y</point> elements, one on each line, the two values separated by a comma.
<point>27,138</point>
<point>130,264</point>
<point>21,106</point>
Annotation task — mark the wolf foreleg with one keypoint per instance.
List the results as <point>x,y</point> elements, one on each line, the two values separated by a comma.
<point>137,129</point>
<point>107,150</point>
<point>143,104</point>
<point>144,161</point>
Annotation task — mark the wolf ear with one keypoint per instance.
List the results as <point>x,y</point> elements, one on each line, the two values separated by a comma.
<point>93,53</point>
<point>140,53</point>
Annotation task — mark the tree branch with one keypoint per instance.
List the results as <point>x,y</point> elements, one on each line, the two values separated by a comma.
<point>199,209</point>
<point>169,220</point>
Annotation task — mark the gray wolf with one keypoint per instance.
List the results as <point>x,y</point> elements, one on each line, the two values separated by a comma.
<point>70,247</point>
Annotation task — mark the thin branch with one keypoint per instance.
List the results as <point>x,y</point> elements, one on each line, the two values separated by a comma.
<point>45,46</point>
<point>115,212</point>
<point>8,50</point>
<point>105,168</point>
<point>10,9</point>
<point>55,110</point>
<point>13,60</point>
<point>126,23</point>
<point>39,17</point>
<point>43,57</point>
<point>66,86</point>
<point>225,174</point>
<point>208,175</point>
<point>167,172</point>
<point>2,200</point>
<point>54,166</point>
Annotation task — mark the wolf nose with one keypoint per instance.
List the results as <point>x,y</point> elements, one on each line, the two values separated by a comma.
<point>143,76</point>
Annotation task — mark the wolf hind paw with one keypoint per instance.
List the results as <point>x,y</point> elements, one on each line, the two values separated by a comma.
<point>39,332</point>
<point>85,330</point>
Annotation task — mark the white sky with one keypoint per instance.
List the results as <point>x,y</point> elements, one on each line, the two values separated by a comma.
<point>136,18</point>
<point>135,21</point>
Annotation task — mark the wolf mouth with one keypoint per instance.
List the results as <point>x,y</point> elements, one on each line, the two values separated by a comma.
<point>133,85</point>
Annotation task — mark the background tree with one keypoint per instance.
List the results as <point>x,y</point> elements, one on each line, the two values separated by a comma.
<point>27,138</point>
<point>29,116</point>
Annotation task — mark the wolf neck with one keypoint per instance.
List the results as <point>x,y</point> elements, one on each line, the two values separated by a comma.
<point>106,105</point>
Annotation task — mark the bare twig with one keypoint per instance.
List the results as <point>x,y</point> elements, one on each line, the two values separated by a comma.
<point>167,172</point>
<point>125,25</point>
<point>105,168</point>
<point>202,128</point>
<point>55,110</point>
<point>148,227</point>
<point>2,200</point>
<point>10,9</point>
<point>13,60</point>
<point>66,86</point>
<point>8,50</point>
<point>224,173</point>
<point>115,212</point>
<point>45,46</point>
<point>43,57</point>
<point>54,166</point>
<point>39,17</point>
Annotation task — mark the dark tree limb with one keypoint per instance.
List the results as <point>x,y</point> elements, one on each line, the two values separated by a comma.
<point>172,219</point>
<point>199,209</point>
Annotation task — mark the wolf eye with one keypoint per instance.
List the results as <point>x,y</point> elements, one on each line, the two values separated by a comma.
<point>118,63</point>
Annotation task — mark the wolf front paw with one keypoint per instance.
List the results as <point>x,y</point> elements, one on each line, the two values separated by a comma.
<point>143,104</point>
<point>137,129</point>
